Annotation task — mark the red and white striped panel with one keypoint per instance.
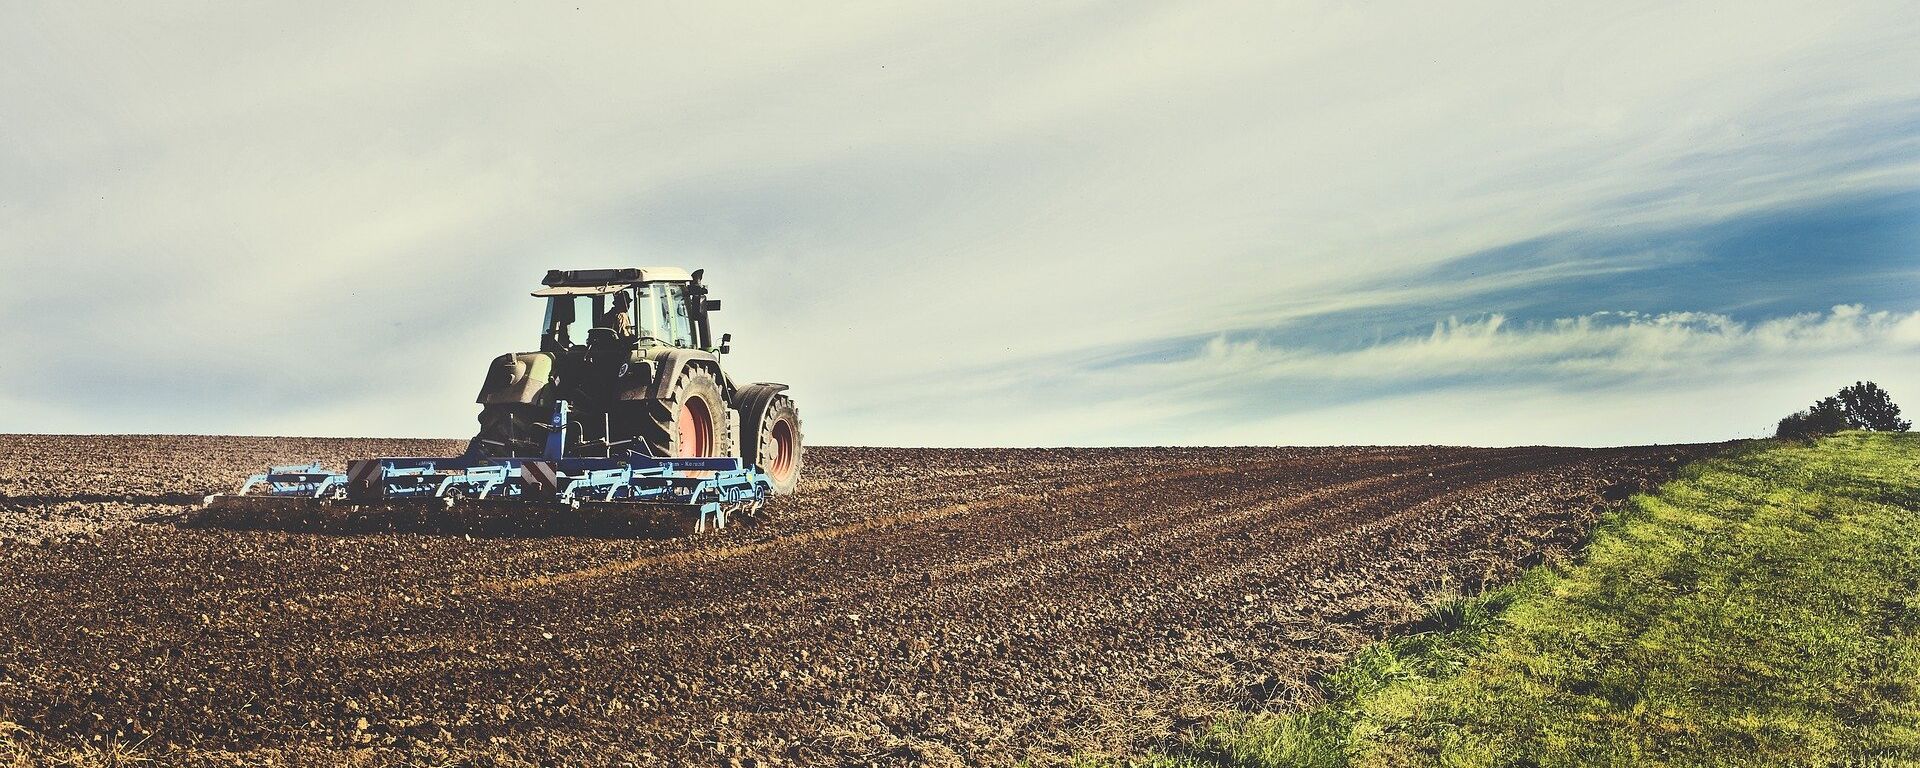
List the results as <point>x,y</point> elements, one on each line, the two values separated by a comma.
<point>541,474</point>
<point>362,472</point>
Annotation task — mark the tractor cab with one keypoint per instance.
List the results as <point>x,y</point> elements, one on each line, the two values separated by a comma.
<point>631,308</point>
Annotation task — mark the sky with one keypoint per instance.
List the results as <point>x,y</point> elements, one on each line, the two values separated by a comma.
<point>974,224</point>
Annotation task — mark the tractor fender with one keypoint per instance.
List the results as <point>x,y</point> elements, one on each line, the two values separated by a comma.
<point>752,400</point>
<point>666,370</point>
<point>516,378</point>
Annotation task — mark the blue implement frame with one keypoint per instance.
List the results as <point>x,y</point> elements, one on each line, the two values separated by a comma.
<point>706,487</point>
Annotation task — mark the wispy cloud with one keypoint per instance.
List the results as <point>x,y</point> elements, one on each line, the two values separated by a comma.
<point>1601,346</point>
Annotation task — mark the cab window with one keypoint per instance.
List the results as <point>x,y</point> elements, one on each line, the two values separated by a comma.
<point>661,313</point>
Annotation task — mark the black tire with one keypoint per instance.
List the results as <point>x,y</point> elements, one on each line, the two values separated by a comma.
<point>511,429</point>
<point>695,399</point>
<point>772,441</point>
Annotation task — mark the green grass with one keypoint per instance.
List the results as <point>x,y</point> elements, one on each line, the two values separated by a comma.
<point>1762,609</point>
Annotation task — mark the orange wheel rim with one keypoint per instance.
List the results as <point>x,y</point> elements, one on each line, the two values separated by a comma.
<point>785,449</point>
<point>696,428</point>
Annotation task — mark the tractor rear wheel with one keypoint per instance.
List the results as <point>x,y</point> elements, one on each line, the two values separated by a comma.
<point>690,421</point>
<point>772,442</point>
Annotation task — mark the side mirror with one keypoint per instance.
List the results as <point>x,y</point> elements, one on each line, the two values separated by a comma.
<point>726,343</point>
<point>713,305</point>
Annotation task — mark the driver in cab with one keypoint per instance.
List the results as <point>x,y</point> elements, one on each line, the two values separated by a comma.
<point>617,317</point>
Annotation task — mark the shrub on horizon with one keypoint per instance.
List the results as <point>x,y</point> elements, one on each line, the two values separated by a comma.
<point>1862,406</point>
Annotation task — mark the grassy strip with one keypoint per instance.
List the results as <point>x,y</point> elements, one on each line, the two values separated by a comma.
<point>1761,609</point>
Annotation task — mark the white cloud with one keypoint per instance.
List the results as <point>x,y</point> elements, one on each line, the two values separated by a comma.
<point>1607,344</point>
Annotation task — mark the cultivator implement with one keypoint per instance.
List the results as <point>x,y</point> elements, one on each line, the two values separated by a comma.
<point>632,494</point>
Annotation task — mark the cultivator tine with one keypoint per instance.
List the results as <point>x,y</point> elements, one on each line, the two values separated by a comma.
<point>498,517</point>
<point>488,517</point>
<point>641,518</point>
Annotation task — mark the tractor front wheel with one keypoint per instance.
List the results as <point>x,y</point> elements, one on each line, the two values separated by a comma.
<point>772,440</point>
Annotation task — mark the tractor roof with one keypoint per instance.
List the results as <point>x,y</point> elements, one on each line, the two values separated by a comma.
<point>566,282</point>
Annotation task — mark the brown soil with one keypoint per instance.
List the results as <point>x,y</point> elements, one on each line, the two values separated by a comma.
<point>910,606</point>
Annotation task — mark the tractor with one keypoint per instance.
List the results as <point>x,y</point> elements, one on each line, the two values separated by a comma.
<point>633,352</point>
<point>624,421</point>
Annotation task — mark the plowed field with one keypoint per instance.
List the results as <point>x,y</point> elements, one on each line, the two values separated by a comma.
<point>910,606</point>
